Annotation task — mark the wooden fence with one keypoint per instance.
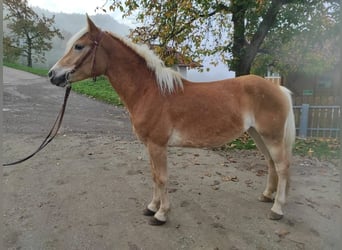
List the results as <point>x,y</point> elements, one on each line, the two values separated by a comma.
<point>317,121</point>
<point>328,100</point>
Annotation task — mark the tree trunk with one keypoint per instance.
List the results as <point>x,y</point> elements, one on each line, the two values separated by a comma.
<point>29,53</point>
<point>29,59</point>
<point>238,49</point>
<point>244,52</point>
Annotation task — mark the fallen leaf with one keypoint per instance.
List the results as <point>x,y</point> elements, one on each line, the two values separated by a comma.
<point>281,232</point>
<point>172,190</point>
<point>230,178</point>
<point>261,172</point>
<point>234,179</point>
<point>248,182</point>
<point>207,174</point>
<point>225,178</point>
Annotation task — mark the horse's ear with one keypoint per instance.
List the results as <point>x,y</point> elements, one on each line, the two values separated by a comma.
<point>92,28</point>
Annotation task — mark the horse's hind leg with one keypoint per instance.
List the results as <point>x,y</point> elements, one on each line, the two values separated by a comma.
<point>280,157</point>
<point>272,178</point>
<point>160,205</point>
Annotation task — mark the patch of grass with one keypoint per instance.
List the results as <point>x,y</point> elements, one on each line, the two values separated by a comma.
<point>100,90</point>
<point>243,142</point>
<point>36,71</point>
<point>323,149</point>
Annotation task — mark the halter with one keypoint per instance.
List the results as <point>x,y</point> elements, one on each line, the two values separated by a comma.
<point>96,43</point>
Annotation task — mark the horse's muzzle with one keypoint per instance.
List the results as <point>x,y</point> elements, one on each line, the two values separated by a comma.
<point>60,81</point>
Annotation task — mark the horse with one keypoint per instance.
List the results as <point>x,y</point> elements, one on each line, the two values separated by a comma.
<point>167,110</point>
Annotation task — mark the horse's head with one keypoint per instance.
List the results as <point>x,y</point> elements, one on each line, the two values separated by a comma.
<point>82,57</point>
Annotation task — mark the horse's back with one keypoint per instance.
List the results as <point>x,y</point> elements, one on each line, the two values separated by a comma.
<point>247,92</point>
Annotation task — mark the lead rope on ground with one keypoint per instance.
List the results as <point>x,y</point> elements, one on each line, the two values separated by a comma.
<point>53,132</point>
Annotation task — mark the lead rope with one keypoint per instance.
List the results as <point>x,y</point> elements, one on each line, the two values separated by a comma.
<point>53,132</point>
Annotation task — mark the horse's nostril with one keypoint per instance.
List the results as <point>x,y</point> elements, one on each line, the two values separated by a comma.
<point>51,73</point>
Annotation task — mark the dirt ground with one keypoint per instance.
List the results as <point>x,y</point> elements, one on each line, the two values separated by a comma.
<point>88,188</point>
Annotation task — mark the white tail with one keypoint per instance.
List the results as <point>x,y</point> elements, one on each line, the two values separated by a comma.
<point>290,128</point>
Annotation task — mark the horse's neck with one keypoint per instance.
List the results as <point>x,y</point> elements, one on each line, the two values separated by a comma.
<point>129,74</point>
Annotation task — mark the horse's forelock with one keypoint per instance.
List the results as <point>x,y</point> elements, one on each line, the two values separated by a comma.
<point>74,38</point>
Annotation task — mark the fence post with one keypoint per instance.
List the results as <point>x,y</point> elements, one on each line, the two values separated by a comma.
<point>304,121</point>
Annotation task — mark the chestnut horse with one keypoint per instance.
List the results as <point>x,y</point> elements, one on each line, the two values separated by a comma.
<point>168,110</point>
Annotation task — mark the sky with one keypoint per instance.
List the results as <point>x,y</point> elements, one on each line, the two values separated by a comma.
<point>80,7</point>
<point>67,6</point>
<point>219,72</point>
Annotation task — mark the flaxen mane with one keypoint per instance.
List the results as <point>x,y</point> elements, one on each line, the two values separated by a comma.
<point>168,79</point>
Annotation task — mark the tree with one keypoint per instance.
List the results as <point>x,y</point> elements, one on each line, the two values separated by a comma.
<point>312,48</point>
<point>233,30</point>
<point>31,33</point>
<point>11,53</point>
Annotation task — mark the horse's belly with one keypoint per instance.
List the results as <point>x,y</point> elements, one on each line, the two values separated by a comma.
<point>209,138</point>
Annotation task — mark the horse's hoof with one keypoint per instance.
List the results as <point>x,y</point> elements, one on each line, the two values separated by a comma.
<point>155,222</point>
<point>148,212</point>
<point>263,198</point>
<point>274,216</point>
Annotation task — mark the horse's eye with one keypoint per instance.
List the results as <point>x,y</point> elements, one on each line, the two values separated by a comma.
<point>78,47</point>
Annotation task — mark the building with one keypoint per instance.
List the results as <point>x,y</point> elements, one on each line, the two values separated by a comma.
<point>323,89</point>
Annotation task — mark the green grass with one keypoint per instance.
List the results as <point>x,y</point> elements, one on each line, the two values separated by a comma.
<point>323,149</point>
<point>100,90</point>
<point>36,71</point>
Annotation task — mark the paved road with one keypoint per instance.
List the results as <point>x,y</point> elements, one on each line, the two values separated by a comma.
<point>31,105</point>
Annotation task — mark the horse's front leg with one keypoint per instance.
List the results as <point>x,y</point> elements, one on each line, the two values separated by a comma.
<point>160,204</point>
